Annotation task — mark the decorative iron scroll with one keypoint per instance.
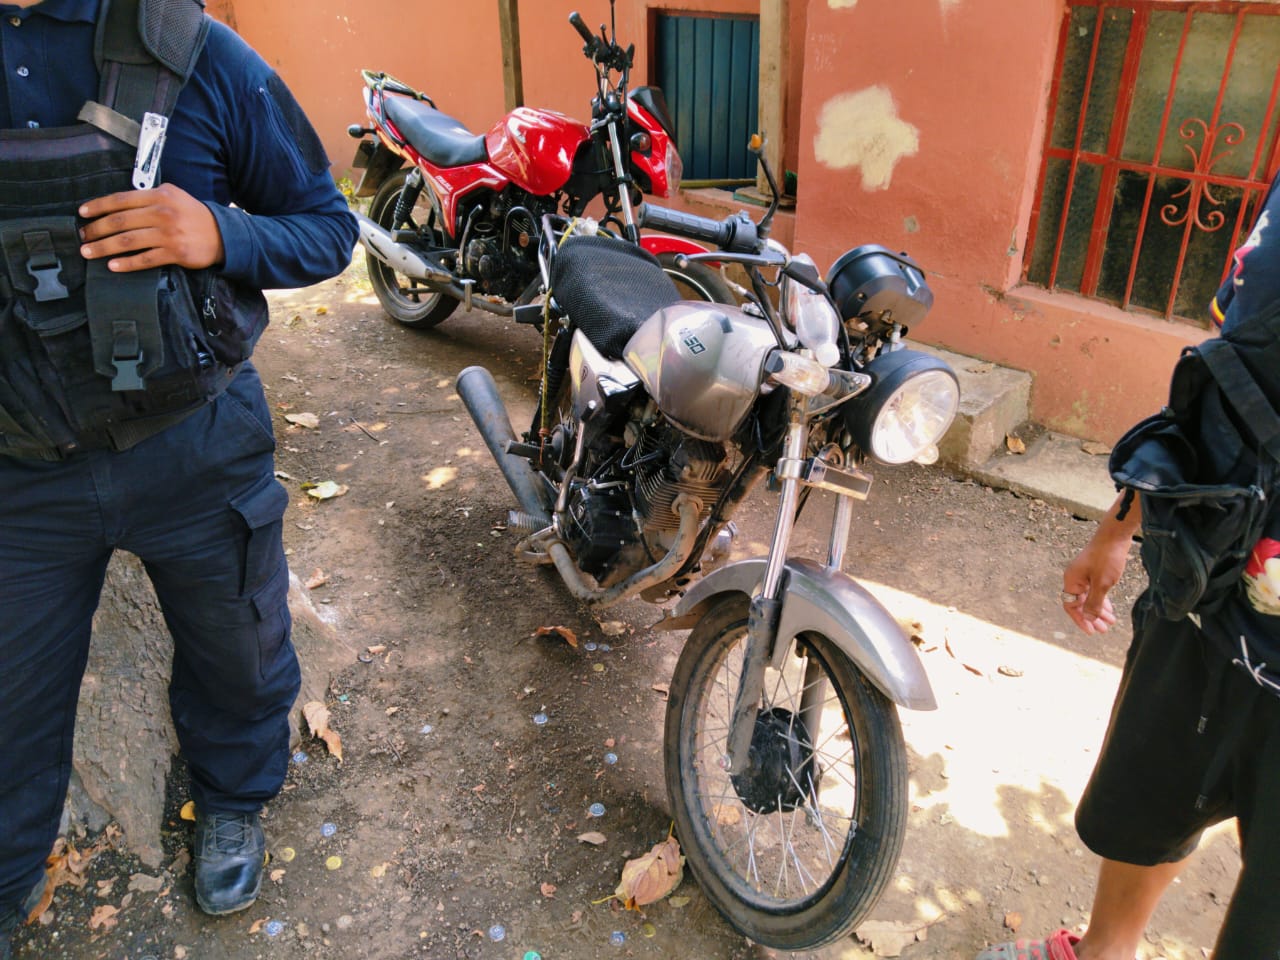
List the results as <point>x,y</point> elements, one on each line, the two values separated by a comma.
<point>1203,163</point>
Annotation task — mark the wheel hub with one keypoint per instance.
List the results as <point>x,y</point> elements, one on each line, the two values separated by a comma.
<point>780,770</point>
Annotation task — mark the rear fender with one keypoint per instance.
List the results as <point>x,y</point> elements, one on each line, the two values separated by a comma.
<point>831,603</point>
<point>383,162</point>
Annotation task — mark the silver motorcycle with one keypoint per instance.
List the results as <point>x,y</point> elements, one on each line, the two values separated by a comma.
<point>785,764</point>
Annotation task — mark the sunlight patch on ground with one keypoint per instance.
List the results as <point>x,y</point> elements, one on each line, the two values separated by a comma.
<point>993,732</point>
<point>440,477</point>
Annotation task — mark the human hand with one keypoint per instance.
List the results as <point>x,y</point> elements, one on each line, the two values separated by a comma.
<point>140,229</point>
<point>1096,569</point>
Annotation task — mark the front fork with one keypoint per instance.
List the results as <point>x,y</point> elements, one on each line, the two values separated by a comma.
<point>766,605</point>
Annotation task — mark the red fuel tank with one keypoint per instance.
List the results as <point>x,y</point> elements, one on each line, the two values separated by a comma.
<point>535,148</point>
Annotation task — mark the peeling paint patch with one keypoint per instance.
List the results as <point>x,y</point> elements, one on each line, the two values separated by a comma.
<point>946,6</point>
<point>839,4</point>
<point>862,130</point>
<point>911,225</point>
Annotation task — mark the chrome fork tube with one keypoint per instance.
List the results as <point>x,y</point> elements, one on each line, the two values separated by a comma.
<point>620,175</point>
<point>788,501</point>
<point>840,524</point>
<point>766,607</point>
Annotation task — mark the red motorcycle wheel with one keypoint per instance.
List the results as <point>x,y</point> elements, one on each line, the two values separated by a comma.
<point>406,302</point>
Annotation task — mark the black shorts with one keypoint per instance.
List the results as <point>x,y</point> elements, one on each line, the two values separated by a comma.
<point>1192,741</point>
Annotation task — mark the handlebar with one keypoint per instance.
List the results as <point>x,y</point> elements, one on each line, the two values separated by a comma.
<point>589,38</point>
<point>736,234</point>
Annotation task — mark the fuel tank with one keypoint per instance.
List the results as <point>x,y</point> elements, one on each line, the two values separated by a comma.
<point>535,148</point>
<point>703,363</point>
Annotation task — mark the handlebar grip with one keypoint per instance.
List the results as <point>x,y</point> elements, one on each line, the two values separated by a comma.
<point>575,20</point>
<point>686,224</point>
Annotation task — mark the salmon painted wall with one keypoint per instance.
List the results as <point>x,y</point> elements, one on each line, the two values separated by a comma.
<point>917,124</point>
<point>928,139</point>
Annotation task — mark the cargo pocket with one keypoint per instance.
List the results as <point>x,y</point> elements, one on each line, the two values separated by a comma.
<point>271,604</point>
<point>262,510</point>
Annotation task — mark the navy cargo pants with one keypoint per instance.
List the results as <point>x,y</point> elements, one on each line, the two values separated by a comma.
<point>200,505</point>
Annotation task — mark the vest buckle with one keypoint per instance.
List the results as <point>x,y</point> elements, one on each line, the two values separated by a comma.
<point>43,264</point>
<point>126,356</point>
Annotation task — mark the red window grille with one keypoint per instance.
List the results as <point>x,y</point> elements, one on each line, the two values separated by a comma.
<point>1164,132</point>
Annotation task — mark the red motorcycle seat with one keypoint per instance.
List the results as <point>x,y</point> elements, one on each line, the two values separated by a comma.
<point>440,138</point>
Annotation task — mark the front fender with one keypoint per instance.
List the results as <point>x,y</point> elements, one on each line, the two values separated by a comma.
<point>831,603</point>
<point>657,243</point>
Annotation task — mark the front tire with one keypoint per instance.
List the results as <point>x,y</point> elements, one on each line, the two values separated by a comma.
<point>795,850</point>
<point>405,301</point>
<point>696,281</point>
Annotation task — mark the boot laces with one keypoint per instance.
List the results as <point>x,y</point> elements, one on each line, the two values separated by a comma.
<point>228,833</point>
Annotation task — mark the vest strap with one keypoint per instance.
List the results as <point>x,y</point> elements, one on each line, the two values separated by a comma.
<point>109,121</point>
<point>124,324</point>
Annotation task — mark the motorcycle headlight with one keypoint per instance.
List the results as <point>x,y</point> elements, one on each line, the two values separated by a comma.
<point>901,417</point>
<point>675,169</point>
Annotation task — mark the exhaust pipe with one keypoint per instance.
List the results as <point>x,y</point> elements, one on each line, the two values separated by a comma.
<point>379,242</point>
<point>480,395</point>
<point>397,256</point>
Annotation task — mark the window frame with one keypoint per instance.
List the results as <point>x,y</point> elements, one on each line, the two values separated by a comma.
<point>1209,137</point>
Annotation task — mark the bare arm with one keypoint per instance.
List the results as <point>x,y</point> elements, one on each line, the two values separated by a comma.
<point>1098,567</point>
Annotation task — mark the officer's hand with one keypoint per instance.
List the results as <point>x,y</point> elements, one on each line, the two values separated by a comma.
<point>140,229</point>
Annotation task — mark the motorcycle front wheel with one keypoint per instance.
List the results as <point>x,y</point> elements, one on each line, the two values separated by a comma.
<point>405,300</point>
<point>696,281</point>
<point>796,849</point>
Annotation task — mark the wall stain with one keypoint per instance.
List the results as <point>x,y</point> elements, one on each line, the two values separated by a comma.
<point>862,130</point>
<point>839,4</point>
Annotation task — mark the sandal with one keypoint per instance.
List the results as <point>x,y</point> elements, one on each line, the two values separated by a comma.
<point>1057,946</point>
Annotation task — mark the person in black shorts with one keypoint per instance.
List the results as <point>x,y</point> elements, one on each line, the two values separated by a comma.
<point>1194,734</point>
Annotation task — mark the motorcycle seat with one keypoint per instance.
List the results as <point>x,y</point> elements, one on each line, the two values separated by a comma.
<point>609,287</point>
<point>439,137</point>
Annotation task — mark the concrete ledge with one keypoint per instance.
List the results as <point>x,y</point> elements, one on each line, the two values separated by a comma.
<point>1056,469</point>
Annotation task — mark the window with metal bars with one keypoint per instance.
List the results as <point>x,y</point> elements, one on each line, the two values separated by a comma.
<point>1163,134</point>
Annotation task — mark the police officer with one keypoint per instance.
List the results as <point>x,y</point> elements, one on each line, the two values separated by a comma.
<point>143,208</point>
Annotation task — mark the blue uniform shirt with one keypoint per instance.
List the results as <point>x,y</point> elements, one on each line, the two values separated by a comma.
<point>237,140</point>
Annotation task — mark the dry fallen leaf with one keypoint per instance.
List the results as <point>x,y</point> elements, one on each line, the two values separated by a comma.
<point>1015,444</point>
<point>1095,449</point>
<point>317,579</point>
<point>257,925</point>
<point>548,890</point>
<point>1013,921</point>
<point>592,837</point>
<point>327,489</point>
<point>104,917</point>
<point>308,420</point>
<point>887,938</point>
<point>188,811</point>
<point>663,689</point>
<point>613,628</point>
<point>564,633</point>
<point>277,874</point>
<point>651,877</point>
<point>377,648</point>
<point>317,716</point>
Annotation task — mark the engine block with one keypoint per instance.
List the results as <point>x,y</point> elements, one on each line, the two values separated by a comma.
<point>691,466</point>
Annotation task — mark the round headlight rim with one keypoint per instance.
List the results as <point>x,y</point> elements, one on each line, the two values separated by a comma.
<point>890,372</point>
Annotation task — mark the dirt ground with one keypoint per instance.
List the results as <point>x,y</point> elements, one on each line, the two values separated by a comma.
<point>450,829</point>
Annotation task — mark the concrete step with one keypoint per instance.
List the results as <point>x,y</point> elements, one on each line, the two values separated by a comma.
<point>1056,468</point>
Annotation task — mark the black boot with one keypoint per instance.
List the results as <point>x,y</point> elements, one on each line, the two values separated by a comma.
<point>230,852</point>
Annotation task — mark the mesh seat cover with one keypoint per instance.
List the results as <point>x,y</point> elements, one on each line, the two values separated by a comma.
<point>609,287</point>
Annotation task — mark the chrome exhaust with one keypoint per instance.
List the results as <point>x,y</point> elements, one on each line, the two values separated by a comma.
<point>379,242</point>
<point>398,257</point>
<point>480,395</point>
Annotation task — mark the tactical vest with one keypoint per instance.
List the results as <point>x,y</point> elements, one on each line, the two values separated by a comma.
<point>90,359</point>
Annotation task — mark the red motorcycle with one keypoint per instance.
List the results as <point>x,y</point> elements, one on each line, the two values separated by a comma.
<point>462,222</point>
